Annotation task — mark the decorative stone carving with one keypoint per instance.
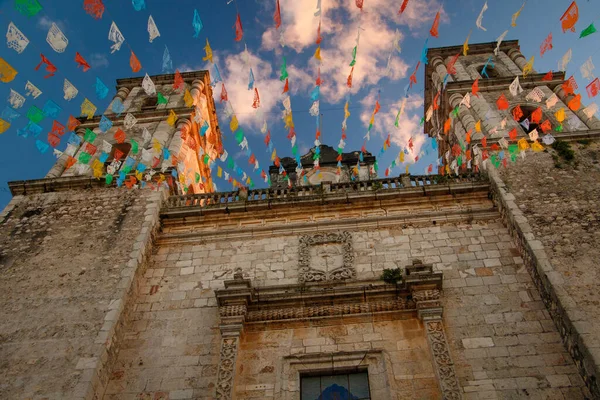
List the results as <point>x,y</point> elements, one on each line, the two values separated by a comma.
<point>232,311</point>
<point>425,295</point>
<point>443,362</point>
<point>229,346</point>
<point>326,257</point>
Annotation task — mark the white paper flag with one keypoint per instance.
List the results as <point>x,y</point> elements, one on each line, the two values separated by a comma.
<point>429,113</point>
<point>533,135</point>
<point>56,39</point>
<point>57,153</point>
<point>106,147</point>
<point>552,100</point>
<point>548,139</point>
<point>535,95</point>
<point>244,143</point>
<point>115,36</point>
<point>466,101</point>
<point>152,29</point>
<point>32,90</point>
<point>287,103</point>
<point>146,135</point>
<point>503,143</point>
<point>591,110</point>
<point>70,90</point>
<point>15,99</point>
<point>148,86</point>
<point>499,40</point>
<point>129,121</point>
<point>71,149</point>
<point>480,18</point>
<point>314,109</point>
<point>15,39</point>
<point>515,87</point>
<point>264,128</point>
<point>587,68</point>
<point>562,64</point>
<point>223,157</point>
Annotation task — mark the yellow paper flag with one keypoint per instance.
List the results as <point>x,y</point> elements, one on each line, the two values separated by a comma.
<point>234,124</point>
<point>7,73</point>
<point>288,120</point>
<point>560,115</point>
<point>523,145</point>
<point>528,67</point>
<point>318,53</point>
<point>188,99</point>
<point>401,156</point>
<point>535,146</point>
<point>478,126</point>
<point>209,56</point>
<point>273,155</point>
<point>4,125</point>
<point>219,172</point>
<point>346,112</point>
<point>466,44</point>
<point>516,15</point>
<point>172,118</point>
<point>407,165</point>
<point>156,146</point>
<point>88,108</point>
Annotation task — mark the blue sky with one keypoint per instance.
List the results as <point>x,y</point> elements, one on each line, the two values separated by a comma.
<point>19,158</point>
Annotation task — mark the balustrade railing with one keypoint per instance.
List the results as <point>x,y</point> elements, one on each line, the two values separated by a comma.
<point>316,191</point>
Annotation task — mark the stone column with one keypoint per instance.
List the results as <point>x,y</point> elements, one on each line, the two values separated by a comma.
<point>517,57</point>
<point>59,167</point>
<point>183,126</point>
<point>591,123</point>
<point>481,108</point>
<point>233,307</point>
<point>440,69</point>
<point>429,310</point>
<point>197,90</point>
<point>464,113</point>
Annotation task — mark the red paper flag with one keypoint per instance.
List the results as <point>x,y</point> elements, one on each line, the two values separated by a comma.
<point>430,169</point>
<point>569,86</point>
<point>536,116</point>
<point>70,162</point>
<point>548,77</point>
<point>593,88</point>
<point>277,15</point>
<point>268,138</point>
<point>513,134</point>
<point>570,17</point>
<point>456,150</point>
<point>58,128</point>
<point>276,162</point>
<point>517,113</point>
<point>90,149</point>
<point>73,123</point>
<point>434,28</point>
<point>546,126</point>
<point>349,82</point>
<point>447,125</point>
<point>450,68</point>
<point>484,142</point>
<point>319,38</point>
<point>251,159</point>
<point>377,107</point>
<point>436,101</point>
<point>546,45</point>
<point>53,139</point>
<point>81,62</point>
<point>575,103</point>
<point>359,4</point>
<point>403,6</point>
<point>118,154</point>
<point>291,133</point>
<point>94,7</point>
<point>119,137</point>
<point>134,63</point>
<point>502,103</point>
<point>318,82</point>
<point>239,32</point>
<point>475,87</point>
<point>223,93</point>
<point>413,77</point>
<point>178,83</point>
<point>49,66</point>
<point>494,147</point>
<point>256,102</point>
<point>410,144</point>
<point>286,87</point>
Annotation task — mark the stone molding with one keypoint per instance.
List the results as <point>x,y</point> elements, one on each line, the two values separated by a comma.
<point>444,366</point>
<point>538,265</point>
<point>228,355</point>
<point>308,274</point>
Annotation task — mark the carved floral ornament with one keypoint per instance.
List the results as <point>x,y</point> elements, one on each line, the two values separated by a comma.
<point>308,272</point>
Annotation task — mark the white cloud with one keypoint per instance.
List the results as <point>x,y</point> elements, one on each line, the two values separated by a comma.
<point>98,60</point>
<point>45,23</point>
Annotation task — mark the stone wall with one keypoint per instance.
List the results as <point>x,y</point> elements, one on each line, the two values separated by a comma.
<point>554,213</point>
<point>502,339</point>
<point>67,262</point>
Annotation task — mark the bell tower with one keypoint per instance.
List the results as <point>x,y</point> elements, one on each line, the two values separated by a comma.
<point>475,101</point>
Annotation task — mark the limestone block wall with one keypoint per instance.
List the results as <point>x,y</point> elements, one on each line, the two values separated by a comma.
<point>67,261</point>
<point>502,339</point>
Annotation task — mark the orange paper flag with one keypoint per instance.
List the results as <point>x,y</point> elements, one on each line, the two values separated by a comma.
<point>134,63</point>
<point>548,77</point>
<point>570,17</point>
<point>575,103</point>
<point>434,28</point>
<point>256,102</point>
<point>436,101</point>
<point>475,87</point>
<point>239,32</point>
<point>536,116</point>
<point>81,62</point>
<point>513,134</point>
<point>73,123</point>
<point>349,82</point>
<point>286,87</point>
<point>447,125</point>
<point>277,15</point>
<point>517,113</point>
<point>178,83</point>
<point>403,6</point>
<point>49,66</point>
<point>119,136</point>
<point>502,103</point>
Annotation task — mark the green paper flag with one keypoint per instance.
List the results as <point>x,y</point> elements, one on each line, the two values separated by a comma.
<point>455,112</point>
<point>197,176</point>
<point>230,163</point>
<point>459,161</point>
<point>134,147</point>
<point>109,179</point>
<point>126,169</point>
<point>513,148</point>
<point>422,121</point>
<point>161,98</point>
<point>28,7</point>
<point>206,158</point>
<point>89,136</point>
<point>239,136</point>
<point>84,157</point>
<point>353,56</point>
<point>376,166</point>
<point>588,31</point>
<point>295,149</point>
<point>34,114</point>
<point>559,128</point>
<point>284,73</point>
<point>394,164</point>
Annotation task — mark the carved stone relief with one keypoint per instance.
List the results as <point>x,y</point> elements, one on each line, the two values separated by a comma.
<point>229,347</point>
<point>443,362</point>
<point>326,257</point>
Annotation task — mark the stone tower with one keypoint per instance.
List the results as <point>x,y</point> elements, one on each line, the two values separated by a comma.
<point>329,165</point>
<point>179,144</point>
<point>449,82</point>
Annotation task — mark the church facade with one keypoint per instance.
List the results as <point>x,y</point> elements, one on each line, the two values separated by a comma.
<point>408,287</point>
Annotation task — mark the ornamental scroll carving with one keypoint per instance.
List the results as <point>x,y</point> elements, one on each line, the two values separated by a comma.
<point>326,257</point>
<point>229,347</point>
<point>443,362</point>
